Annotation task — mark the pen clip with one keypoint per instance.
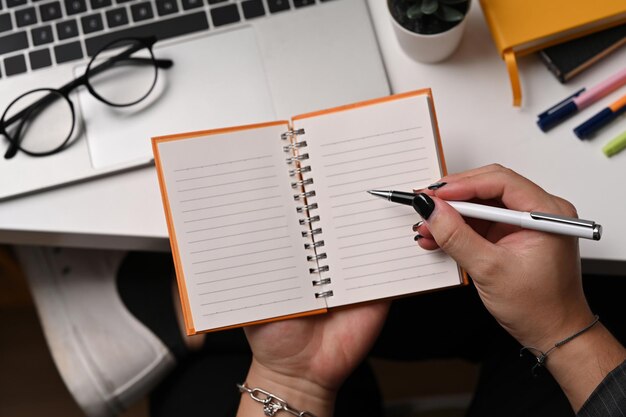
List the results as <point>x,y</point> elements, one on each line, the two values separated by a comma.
<point>562,219</point>
<point>561,104</point>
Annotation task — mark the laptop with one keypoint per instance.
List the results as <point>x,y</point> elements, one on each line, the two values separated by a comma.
<point>235,62</point>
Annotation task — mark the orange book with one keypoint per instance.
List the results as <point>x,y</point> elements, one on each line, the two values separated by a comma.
<point>520,27</point>
<point>272,220</point>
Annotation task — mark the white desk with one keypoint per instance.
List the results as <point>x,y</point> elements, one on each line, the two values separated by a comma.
<point>478,126</point>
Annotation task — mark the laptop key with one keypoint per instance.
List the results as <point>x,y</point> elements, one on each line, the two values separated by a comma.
<point>217,1</point>
<point>15,65</point>
<point>165,7</point>
<point>75,6</point>
<point>225,14</point>
<point>92,23</point>
<point>67,29</point>
<point>163,29</point>
<point>191,4</point>
<point>5,22</point>
<point>40,59</point>
<point>98,4</point>
<point>42,35</point>
<point>252,8</point>
<point>117,17</point>
<point>13,3</point>
<point>50,11</point>
<point>302,3</point>
<point>141,11</point>
<point>26,17</point>
<point>278,5</point>
<point>13,42</point>
<point>68,52</point>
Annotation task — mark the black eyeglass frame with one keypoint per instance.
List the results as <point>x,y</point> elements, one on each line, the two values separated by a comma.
<point>63,92</point>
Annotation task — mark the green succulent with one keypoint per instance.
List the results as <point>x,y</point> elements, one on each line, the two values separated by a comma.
<point>429,16</point>
<point>441,9</point>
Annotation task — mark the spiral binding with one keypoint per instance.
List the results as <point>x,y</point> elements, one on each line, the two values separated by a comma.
<point>295,158</point>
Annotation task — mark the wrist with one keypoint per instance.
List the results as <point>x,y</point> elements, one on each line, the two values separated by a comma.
<point>298,392</point>
<point>581,364</point>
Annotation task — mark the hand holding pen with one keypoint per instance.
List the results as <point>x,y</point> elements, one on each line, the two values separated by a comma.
<point>529,281</point>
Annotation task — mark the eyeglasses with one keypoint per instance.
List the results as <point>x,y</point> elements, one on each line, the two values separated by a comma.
<point>41,122</point>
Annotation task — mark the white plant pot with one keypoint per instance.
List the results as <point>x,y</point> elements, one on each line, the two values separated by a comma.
<point>429,48</point>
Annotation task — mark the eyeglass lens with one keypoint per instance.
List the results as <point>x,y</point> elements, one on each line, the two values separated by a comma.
<point>45,124</point>
<point>126,80</point>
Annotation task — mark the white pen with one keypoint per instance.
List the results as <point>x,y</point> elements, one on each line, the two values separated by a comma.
<point>552,223</point>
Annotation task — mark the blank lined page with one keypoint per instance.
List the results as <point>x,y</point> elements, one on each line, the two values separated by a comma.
<point>389,145</point>
<point>237,232</point>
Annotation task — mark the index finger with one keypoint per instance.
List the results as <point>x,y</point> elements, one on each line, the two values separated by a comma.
<point>513,190</point>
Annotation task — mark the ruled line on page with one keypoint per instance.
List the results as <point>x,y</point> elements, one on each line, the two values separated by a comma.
<point>238,213</point>
<point>343,226</point>
<point>254,306</point>
<point>221,174</point>
<point>248,232</point>
<point>251,296</point>
<point>236,224</point>
<point>403,151</point>
<point>373,242</point>
<point>378,177</point>
<point>227,183</point>
<point>387,271</point>
<point>240,255</point>
<point>376,284</point>
<point>368,232</point>
<point>375,135</point>
<point>268,271</point>
<point>249,285</point>
<point>373,253</point>
<point>243,265</point>
<point>231,204</point>
<point>227,194</point>
<point>362,191</point>
<point>354,213</point>
<point>222,163</point>
<point>250,242</point>
<point>380,145</point>
<point>373,167</point>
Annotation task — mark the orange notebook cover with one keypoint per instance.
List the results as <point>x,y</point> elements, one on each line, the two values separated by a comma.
<point>272,220</point>
<point>520,27</point>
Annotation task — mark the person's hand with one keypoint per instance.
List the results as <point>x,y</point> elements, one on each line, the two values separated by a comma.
<point>305,360</point>
<point>530,281</point>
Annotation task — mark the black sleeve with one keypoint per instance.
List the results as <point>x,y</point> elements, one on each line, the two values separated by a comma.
<point>609,398</point>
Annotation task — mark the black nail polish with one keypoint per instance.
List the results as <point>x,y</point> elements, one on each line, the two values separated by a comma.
<point>436,185</point>
<point>417,237</point>
<point>417,225</point>
<point>424,205</point>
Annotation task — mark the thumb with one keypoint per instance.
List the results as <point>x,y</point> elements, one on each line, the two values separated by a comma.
<point>469,249</point>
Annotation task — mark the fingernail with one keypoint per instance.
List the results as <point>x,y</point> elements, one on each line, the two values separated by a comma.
<point>417,237</point>
<point>417,225</point>
<point>436,185</point>
<point>424,205</point>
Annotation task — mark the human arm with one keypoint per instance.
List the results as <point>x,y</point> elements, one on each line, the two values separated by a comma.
<point>305,360</point>
<point>530,281</point>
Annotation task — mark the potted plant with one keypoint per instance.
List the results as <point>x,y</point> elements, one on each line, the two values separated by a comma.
<point>428,30</point>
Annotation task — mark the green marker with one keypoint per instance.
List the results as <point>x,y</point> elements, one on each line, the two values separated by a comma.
<point>616,145</point>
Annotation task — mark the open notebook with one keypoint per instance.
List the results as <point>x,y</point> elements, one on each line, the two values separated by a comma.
<point>271,221</point>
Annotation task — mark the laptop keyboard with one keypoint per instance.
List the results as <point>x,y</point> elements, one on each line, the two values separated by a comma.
<point>38,34</point>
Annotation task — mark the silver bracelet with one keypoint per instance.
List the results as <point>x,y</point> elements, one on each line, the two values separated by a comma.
<point>271,403</point>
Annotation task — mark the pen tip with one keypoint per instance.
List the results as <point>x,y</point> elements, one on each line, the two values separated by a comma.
<point>370,192</point>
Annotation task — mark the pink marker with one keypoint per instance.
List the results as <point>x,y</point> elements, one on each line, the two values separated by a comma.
<point>579,100</point>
